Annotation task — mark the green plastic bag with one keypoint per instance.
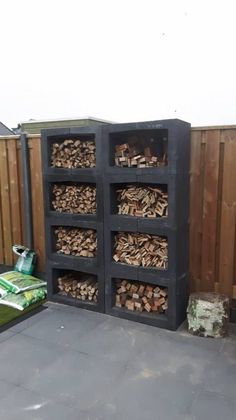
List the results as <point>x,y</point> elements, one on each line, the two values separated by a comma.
<point>3,292</point>
<point>26,261</point>
<point>16,282</point>
<point>22,300</point>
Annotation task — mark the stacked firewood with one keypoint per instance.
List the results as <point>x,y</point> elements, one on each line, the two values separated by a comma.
<point>74,154</point>
<point>74,286</point>
<point>76,241</point>
<point>142,201</point>
<point>141,297</point>
<point>136,156</point>
<point>141,249</point>
<point>74,199</point>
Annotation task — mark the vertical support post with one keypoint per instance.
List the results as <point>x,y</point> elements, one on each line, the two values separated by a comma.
<point>28,220</point>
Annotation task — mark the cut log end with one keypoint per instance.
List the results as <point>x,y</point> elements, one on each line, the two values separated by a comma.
<point>141,297</point>
<point>208,314</point>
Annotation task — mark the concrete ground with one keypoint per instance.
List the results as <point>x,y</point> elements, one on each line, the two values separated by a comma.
<point>72,364</point>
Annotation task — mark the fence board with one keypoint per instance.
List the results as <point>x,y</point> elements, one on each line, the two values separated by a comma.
<point>2,261</point>
<point>14,193</point>
<point>195,209</point>
<point>5,201</point>
<point>37,201</point>
<point>21,189</point>
<point>209,216</point>
<point>228,215</point>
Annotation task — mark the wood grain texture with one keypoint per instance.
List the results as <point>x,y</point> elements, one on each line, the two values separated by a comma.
<point>5,204</point>
<point>2,260</point>
<point>209,215</point>
<point>37,201</point>
<point>195,210</point>
<point>21,189</point>
<point>228,215</point>
<point>14,193</point>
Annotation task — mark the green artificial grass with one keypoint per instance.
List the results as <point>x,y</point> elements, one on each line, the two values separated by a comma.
<point>8,314</point>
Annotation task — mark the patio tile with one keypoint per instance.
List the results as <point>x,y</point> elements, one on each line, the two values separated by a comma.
<point>5,335</point>
<point>22,358</point>
<point>63,328</point>
<point>113,340</point>
<point>79,378</point>
<point>22,404</point>
<point>6,388</point>
<point>213,406</point>
<point>32,320</point>
<point>222,377</point>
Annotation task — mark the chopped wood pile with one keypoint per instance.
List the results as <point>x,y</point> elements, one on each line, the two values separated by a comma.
<point>137,156</point>
<point>79,287</point>
<point>141,297</point>
<point>141,249</point>
<point>142,201</point>
<point>74,154</point>
<point>74,199</point>
<point>76,241</point>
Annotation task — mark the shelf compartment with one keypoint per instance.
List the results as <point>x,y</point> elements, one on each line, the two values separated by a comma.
<point>168,139</point>
<point>139,148</point>
<point>77,182</point>
<point>79,148</point>
<point>74,241</point>
<point>177,302</point>
<point>177,240</point>
<point>140,249</point>
<point>72,198</point>
<point>139,200</point>
<point>71,297</point>
<point>140,297</point>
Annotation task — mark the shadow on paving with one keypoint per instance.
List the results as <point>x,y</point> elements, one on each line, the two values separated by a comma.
<point>68,363</point>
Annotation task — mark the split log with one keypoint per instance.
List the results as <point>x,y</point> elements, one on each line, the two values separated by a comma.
<point>142,201</point>
<point>208,314</point>
<point>79,199</point>
<point>83,287</point>
<point>141,249</point>
<point>76,241</point>
<point>133,155</point>
<point>141,297</point>
<point>74,154</point>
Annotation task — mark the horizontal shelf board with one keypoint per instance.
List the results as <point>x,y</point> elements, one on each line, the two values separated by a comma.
<point>74,302</point>
<point>73,222</point>
<point>158,270</point>
<point>73,178</point>
<point>73,216</point>
<point>160,320</point>
<point>146,277</point>
<point>119,222</point>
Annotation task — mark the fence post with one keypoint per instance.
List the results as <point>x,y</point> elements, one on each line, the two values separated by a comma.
<point>28,220</point>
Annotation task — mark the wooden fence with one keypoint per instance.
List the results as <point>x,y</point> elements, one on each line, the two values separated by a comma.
<point>11,198</point>
<point>212,206</point>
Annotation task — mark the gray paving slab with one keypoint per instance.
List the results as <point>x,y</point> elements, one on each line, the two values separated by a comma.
<point>22,358</point>
<point>32,320</point>
<point>22,404</point>
<point>213,406</point>
<point>77,376</point>
<point>6,388</point>
<point>222,377</point>
<point>64,328</point>
<point>5,335</point>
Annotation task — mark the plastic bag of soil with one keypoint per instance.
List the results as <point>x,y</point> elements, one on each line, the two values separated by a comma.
<point>3,292</point>
<point>27,259</point>
<point>16,282</point>
<point>22,300</point>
